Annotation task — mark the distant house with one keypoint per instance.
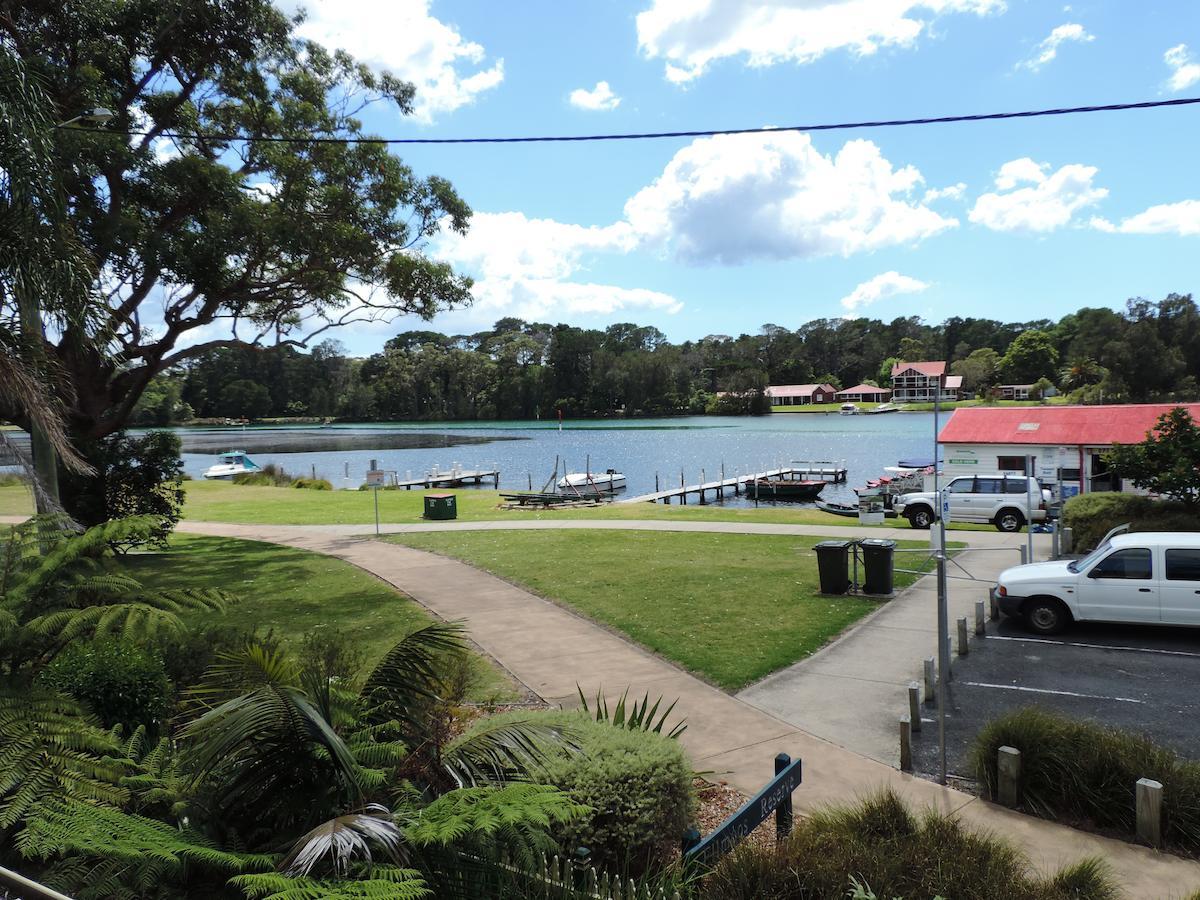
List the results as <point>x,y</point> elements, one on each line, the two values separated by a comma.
<point>863,393</point>
<point>1013,391</point>
<point>924,382</point>
<point>800,394</point>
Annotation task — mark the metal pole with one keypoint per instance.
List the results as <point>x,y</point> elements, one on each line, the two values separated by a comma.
<point>1029,503</point>
<point>45,460</point>
<point>376,491</point>
<point>943,613</point>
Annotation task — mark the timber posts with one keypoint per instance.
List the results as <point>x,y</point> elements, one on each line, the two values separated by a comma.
<point>1148,805</point>
<point>980,629</point>
<point>930,680</point>
<point>964,646</point>
<point>1008,777</point>
<point>905,744</point>
<point>784,816</point>
<point>914,705</point>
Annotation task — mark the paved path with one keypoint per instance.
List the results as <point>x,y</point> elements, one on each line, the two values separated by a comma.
<point>551,649</point>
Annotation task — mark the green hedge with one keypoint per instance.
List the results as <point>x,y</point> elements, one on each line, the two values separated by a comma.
<point>1091,516</point>
<point>879,848</point>
<point>1079,771</point>
<point>638,784</point>
<point>118,681</point>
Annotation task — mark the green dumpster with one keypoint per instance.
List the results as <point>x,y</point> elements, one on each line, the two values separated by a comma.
<point>441,506</point>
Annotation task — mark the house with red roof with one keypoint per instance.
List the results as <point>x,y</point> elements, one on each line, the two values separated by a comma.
<point>924,382</point>
<point>1064,444</point>
<point>863,393</point>
<point>800,394</point>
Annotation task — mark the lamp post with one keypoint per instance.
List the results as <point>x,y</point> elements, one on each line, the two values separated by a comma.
<point>45,460</point>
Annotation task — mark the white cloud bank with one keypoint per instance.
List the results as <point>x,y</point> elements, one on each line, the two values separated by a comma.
<point>1185,71</point>
<point>1182,218</point>
<point>689,36</point>
<point>1028,198</point>
<point>599,98</point>
<point>889,284</point>
<point>400,36</point>
<point>1047,50</point>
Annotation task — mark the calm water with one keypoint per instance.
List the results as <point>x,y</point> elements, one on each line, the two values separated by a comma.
<point>525,451</point>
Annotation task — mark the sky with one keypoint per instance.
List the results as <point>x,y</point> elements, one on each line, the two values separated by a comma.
<point>1014,220</point>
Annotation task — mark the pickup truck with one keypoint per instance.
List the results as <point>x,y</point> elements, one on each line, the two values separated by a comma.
<point>1004,500</point>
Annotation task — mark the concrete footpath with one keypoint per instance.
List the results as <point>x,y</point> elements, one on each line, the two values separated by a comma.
<point>551,649</point>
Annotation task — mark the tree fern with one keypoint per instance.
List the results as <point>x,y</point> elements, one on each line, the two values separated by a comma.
<point>385,883</point>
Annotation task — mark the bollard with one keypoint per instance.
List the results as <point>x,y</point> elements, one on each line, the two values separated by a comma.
<point>1067,542</point>
<point>1148,804</point>
<point>994,611</point>
<point>1054,546</point>
<point>914,705</point>
<point>979,626</point>
<point>905,744</point>
<point>949,659</point>
<point>1008,777</point>
<point>1024,555</point>
<point>963,645</point>
<point>930,681</point>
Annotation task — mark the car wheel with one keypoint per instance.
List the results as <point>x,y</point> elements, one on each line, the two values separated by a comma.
<point>1009,520</point>
<point>922,517</point>
<point>1045,615</point>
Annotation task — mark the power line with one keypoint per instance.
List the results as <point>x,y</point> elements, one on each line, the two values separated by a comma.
<point>655,135</point>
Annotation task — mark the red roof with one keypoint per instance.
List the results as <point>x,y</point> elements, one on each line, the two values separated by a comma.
<point>929,369</point>
<point>865,389</point>
<point>797,390</point>
<point>1088,426</point>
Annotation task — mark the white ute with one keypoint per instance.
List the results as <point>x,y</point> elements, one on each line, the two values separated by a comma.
<point>1006,501</point>
<point>1146,578</point>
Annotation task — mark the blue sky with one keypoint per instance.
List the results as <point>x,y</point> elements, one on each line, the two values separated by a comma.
<point>1012,220</point>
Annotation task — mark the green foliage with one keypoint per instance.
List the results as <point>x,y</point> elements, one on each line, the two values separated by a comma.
<point>135,476</point>
<point>272,475</point>
<point>1081,771</point>
<point>1030,357</point>
<point>639,717</point>
<point>119,681</point>
<point>881,843</point>
<point>383,883</point>
<point>312,484</point>
<point>1091,516</point>
<point>638,785</point>
<point>1167,462</point>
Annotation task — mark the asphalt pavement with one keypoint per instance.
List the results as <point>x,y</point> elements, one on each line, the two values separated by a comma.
<point>1140,678</point>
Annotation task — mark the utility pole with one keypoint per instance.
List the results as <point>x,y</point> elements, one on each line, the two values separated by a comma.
<point>943,612</point>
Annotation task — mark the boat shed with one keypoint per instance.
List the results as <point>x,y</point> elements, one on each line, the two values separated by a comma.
<point>863,393</point>
<point>1066,443</point>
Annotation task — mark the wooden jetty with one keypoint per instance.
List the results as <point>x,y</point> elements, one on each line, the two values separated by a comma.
<point>453,478</point>
<point>739,484</point>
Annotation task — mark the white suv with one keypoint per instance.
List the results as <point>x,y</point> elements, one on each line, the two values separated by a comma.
<point>1146,578</point>
<point>1004,500</point>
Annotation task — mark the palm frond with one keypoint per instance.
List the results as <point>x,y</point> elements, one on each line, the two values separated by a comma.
<point>256,664</point>
<point>500,752</point>
<point>638,717</point>
<point>408,673</point>
<point>344,839</point>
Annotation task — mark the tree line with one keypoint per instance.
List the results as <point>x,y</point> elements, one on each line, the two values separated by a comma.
<point>524,370</point>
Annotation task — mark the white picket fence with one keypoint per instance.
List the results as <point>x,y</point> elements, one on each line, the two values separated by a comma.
<point>563,879</point>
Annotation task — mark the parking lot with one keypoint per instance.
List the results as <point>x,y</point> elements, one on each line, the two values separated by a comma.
<point>1136,677</point>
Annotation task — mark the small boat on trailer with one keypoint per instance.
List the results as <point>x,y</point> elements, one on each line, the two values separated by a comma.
<point>235,462</point>
<point>593,482</point>
<point>845,509</point>
<point>786,489</point>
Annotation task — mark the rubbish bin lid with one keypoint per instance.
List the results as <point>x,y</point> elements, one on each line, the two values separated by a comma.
<point>877,542</point>
<point>838,545</point>
<point>439,496</point>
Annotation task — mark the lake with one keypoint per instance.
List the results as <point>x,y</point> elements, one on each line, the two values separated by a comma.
<point>525,452</point>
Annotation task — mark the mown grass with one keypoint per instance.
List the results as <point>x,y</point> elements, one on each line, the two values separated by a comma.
<point>730,607</point>
<point>15,499</point>
<point>215,501</point>
<point>293,592</point>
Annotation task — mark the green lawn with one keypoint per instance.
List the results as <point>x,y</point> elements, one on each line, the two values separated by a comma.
<point>15,500</point>
<point>731,608</point>
<point>293,592</point>
<point>819,407</point>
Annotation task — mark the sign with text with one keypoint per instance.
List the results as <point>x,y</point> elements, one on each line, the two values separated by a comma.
<point>870,508</point>
<point>776,795</point>
<point>376,478</point>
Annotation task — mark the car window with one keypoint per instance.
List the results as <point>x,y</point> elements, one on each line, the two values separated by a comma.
<point>988,485</point>
<point>1131,563</point>
<point>1016,486</point>
<point>1183,565</point>
<point>962,486</point>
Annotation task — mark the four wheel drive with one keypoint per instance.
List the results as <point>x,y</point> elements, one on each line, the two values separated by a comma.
<point>1147,578</point>
<point>1006,501</point>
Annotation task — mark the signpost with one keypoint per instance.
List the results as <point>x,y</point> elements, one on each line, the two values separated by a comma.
<point>775,797</point>
<point>376,478</point>
<point>870,508</point>
<point>943,612</point>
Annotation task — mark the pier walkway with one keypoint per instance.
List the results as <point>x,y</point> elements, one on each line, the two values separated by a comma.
<point>834,473</point>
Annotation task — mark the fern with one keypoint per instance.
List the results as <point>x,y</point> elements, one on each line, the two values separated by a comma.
<point>385,883</point>
<point>49,749</point>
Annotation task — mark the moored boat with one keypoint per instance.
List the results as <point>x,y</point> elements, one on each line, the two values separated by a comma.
<point>786,488</point>
<point>234,462</point>
<point>589,482</point>
<point>848,409</point>
<point>845,509</point>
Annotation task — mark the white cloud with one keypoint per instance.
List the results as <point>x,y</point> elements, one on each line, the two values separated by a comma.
<point>1185,71</point>
<point>889,284</point>
<point>600,97</point>
<point>1047,50</point>
<point>1182,218</point>
<point>522,267</point>
<point>729,199</point>
<point>954,192</point>
<point>1047,202</point>
<point>689,36</point>
<point>400,36</point>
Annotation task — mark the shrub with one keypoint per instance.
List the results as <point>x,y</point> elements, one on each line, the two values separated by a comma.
<point>1083,772</point>
<point>187,654</point>
<point>270,475</point>
<point>638,785</point>
<point>881,846</point>
<point>118,681</point>
<point>1091,516</point>
<point>312,484</point>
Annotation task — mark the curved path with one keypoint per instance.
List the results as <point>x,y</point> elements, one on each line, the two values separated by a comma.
<point>551,649</point>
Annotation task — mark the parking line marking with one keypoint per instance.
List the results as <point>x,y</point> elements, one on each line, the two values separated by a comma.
<point>1014,687</point>
<point>1000,637</point>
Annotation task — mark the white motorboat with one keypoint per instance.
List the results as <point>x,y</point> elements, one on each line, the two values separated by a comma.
<point>235,462</point>
<point>599,482</point>
<point>848,409</point>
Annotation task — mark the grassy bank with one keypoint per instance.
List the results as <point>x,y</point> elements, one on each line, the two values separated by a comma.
<point>293,592</point>
<point>729,607</point>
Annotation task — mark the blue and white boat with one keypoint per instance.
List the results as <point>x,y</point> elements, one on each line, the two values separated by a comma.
<point>234,462</point>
